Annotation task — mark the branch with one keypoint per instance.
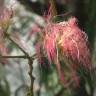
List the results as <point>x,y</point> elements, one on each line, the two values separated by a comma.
<point>26,56</point>
<point>30,62</point>
<point>53,7</point>
<point>23,56</point>
<point>9,37</point>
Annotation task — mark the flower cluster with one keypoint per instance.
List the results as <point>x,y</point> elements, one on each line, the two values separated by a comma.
<point>65,42</point>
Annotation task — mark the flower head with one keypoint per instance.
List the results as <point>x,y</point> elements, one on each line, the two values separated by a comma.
<point>66,42</point>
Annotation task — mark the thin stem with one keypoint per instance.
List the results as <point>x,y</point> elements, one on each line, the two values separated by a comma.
<point>30,62</point>
<point>22,56</point>
<point>9,37</point>
<point>53,8</point>
<point>25,57</point>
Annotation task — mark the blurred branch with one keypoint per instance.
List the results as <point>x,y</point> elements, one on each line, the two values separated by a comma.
<point>30,62</point>
<point>25,57</point>
<point>53,7</point>
<point>14,57</point>
<point>40,8</point>
<point>9,37</point>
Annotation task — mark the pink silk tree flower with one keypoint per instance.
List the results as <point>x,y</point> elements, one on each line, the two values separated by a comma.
<point>66,42</point>
<point>51,35</point>
<point>74,44</point>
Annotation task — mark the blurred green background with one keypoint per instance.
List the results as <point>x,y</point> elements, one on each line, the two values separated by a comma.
<point>14,79</point>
